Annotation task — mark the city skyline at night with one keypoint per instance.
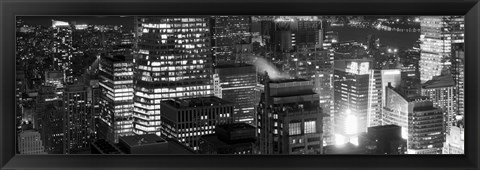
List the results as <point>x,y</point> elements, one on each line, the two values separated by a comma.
<point>240,84</point>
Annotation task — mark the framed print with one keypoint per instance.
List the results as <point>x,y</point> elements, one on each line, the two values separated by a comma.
<point>240,84</point>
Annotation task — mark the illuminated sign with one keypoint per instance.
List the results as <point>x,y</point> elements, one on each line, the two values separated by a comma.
<point>358,67</point>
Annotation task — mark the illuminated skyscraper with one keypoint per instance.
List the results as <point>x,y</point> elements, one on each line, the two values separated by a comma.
<point>49,117</point>
<point>458,74</point>
<point>174,61</point>
<point>422,124</point>
<point>351,91</point>
<point>437,35</point>
<point>236,83</point>
<point>77,119</point>
<point>289,118</point>
<point>62,48</point>
<point>116,99</point>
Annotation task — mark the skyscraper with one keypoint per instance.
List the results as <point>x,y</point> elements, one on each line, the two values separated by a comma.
<point>116,99</point>
<point>227,33</point>
<point>50,119</point>
<point>351,84</point>
<point>77,119</point>
<point>289,118</point>
<point>236,84</point>
<point>437,35</point>
<point>422,124</point>
<point>62,48</point>
<point>174,61</point>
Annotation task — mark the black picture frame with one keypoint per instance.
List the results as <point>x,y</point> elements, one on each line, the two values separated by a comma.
<point>11,8</point>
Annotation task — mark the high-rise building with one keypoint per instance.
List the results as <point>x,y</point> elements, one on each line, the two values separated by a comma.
<point>441,91</point>
<point>50,119</point>
<point>236,83</point>
<point>437,35</point>
<point>63,49</point>
<point>116,98</point>
<point>289,118</point>
<point>379,79</point>
<point>77,119</point>
<point>458,74</point>
<point>422,124</point>
<point>186,120</point>
<point>351,91</point>
<point>174,61</point>
<point>227,33</point>
<point>30,143</point>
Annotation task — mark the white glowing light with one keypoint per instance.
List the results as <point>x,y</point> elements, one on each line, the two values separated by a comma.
<point>339,139</point>
<point>395,50</point>
<point>354,140</point>
<point>351,124</point>
<point>59,23</point>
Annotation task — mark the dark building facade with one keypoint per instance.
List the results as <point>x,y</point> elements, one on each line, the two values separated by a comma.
<point>289,118</point>
<point>384,140</point>
<point>237,138</point>
<point>78,122</point>
<point>228,32</point>
<point>186,120</point>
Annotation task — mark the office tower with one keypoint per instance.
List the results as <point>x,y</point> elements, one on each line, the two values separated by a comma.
<point>351,84</point>
<point>151,144</point>
<point>186,120</point>
<point>227,32</point>
<point>30,143</point>
<point>310,32</point>
<point>441,91</point>
<point>77,119</point>
<point>458,74</point>
<point>236,83</point>
<point>49,119</point>
<point>116,97</point>
<point>174,61</point>
<point>373,43</point>
<point>422,124</point>
<point>379,79</point>
<point>62,48</point>
<point>289,118</point>
<point>54,78</point>
<point>455,141</point>
<point>238,138</point>
<point>437,35</point>
<point>384,140</point>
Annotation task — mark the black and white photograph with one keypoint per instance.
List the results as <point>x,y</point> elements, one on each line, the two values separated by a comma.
<point>238,84</point>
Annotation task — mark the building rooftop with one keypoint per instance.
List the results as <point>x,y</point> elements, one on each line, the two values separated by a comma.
<point>139,140</point>
<point>197,102</point>
<point>439,82</point>
<point>287,80</point>
<point>106,147</point>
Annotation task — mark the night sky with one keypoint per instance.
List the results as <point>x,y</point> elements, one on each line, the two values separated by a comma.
<point>126,21</point>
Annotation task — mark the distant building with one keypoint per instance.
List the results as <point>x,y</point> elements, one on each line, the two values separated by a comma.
<point>228,34</point>
<point>186,120</point>
<point>30,143</point>
<point>422,124</point>
<point>49,119</point>
<point>151,144</point>
<point>236,83</point>
<point>289,118</point>
<point>63,48</point>
<point>116,97</point>
<point>238,138</point>
<point>384,140</point>
<point>437,35</point>
<point>458,74</point>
